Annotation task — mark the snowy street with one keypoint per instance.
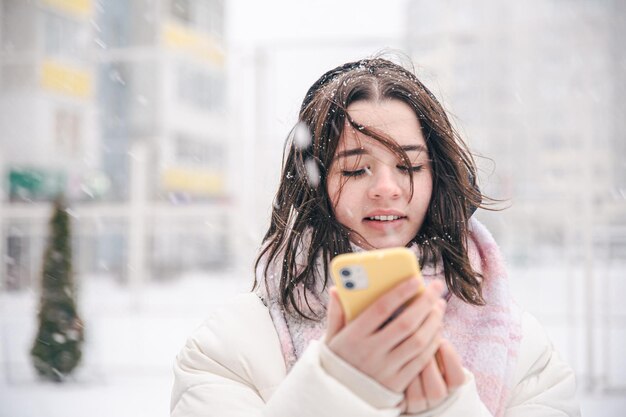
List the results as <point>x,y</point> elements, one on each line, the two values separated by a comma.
<point>132,340</point>
<point>130,346</point>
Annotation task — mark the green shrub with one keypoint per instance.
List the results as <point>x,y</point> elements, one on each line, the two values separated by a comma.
<point>57,347</point>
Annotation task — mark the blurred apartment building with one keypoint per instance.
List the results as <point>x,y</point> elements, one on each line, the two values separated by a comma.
<point>162,81</point>
<point>540,88</point>
<point>48,106</point>
<point>84,85</point>
<point>48,98</point>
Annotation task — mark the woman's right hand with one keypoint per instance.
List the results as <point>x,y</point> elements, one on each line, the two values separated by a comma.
<point>396,353</point>
<point>436,382</point>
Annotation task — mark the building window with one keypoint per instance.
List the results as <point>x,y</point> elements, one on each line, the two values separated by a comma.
<point>181,10</point>
<point>67,131</point>
<point>204,15</point>
<point>201,88</point>
<point>64,37</point>
<point>199,152</point>
<point>216,13</point>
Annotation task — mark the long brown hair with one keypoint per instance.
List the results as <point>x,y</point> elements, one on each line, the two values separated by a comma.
<point>303,226</point>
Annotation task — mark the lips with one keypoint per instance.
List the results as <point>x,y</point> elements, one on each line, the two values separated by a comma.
<point>384,221</point>
<point>385,216</point>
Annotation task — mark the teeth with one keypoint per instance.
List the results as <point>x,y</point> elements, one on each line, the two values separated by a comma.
<point>385,218</point>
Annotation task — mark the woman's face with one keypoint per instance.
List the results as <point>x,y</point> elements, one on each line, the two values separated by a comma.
<point>369,186</point>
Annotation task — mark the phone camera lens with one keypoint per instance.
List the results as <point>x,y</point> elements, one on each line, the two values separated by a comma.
<point>345,272</point>
<point>349,284</point>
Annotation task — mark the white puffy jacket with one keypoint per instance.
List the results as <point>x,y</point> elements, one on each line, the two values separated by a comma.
<point>233,366</point>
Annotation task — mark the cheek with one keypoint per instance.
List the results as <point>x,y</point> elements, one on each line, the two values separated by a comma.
<point>344,199</point>
<point>338,194</point>
<point>423,190</point>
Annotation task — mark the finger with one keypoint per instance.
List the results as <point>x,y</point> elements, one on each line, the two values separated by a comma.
<point>453,367</point>
<point>422,316</point>
<point>435,388</point>
<point>415,397</point>
<point>440,365</point>
<point>373,317</point>
<point>402,406</point>
<point>415,344</point>
<point>335,316</point>
<point>401,378</point>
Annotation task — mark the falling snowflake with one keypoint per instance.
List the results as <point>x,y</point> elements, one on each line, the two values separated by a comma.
<point>301,136</point>
<point>312,172</point>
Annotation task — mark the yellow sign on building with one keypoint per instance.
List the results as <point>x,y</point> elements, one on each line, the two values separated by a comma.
<point>193,181</point>
<point>65,79</point>
<point>195,42</point>
<point>79,8</point>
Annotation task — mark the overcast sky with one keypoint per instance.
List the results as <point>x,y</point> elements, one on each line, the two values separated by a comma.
<point>252,22</point>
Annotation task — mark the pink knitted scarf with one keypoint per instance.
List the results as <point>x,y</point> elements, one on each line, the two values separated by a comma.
<point>487,338</point>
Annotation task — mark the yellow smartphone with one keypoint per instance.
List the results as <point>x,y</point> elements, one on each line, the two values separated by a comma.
<point>362,277</point>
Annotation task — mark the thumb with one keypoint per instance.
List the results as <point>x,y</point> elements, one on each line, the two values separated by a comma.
<point>335,318</point>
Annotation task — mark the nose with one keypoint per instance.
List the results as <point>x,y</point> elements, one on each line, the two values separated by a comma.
<point>385,183</point>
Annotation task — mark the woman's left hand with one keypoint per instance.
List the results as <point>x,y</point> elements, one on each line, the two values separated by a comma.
<point>433,385</point>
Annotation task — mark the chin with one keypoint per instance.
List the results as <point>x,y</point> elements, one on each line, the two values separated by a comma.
<point>388,243</point>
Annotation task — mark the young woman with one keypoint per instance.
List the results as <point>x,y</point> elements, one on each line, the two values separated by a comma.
<point>374,163</point>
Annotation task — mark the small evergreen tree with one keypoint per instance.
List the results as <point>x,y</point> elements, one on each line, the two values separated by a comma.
<point>57,347</point>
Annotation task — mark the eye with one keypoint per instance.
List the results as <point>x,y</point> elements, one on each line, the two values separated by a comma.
<point>356,173</point>
<point>416,168</point>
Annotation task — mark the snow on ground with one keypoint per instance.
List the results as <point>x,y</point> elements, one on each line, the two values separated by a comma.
<point>133,335</point>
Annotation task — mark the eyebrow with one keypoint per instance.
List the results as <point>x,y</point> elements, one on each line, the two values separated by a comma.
<point>362,151</point>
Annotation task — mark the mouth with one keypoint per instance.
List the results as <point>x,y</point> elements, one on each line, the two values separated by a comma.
<point>390,218</point>
<point>384,223</point>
